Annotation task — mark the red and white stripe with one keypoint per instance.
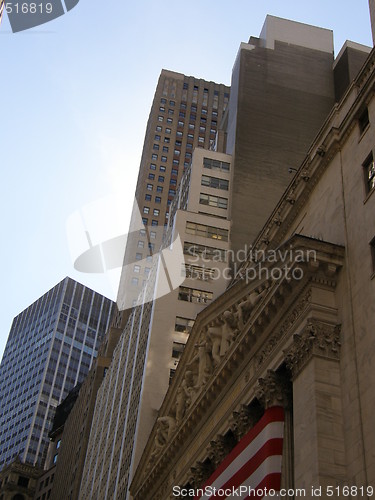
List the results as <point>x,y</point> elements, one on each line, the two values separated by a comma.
<point>255,461</point>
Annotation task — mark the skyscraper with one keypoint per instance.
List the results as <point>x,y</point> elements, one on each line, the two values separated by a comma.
<point>50,349</point>
<point>186,113</point>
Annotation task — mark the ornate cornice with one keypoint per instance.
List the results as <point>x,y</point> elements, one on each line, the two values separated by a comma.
<point>317,339</point>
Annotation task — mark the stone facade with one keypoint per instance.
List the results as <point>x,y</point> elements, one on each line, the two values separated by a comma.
<point>297,339</point>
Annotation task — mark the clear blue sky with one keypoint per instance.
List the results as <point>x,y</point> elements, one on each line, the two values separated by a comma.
<point>75,98</point>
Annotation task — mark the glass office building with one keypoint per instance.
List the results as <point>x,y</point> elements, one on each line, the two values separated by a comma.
<point>50,349</point>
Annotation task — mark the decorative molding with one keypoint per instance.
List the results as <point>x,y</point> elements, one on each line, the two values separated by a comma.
<point>317,339</point>
<point>243,420</point>
<point>274,390</point>
<point>281,332</point>
<point>219,449</point>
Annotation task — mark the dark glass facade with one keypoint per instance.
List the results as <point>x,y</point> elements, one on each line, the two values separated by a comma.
<point>50,349</point>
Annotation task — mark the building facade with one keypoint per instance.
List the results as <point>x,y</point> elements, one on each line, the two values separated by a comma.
<point>50,349</point>
<point>303,343</point>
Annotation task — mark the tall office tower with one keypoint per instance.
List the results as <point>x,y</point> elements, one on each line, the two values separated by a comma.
<point>185,114</point>
<point>189,274</point>
<point>372,16</point>
<point>282,90</point>
<point>50,348</point>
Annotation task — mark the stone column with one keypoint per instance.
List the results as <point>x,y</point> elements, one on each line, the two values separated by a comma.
<point>276,390</point>
<point>319,454</point>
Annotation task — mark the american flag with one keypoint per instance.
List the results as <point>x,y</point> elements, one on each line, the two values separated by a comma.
<point>254,463</point>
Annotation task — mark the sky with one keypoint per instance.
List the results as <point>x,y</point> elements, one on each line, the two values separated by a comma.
<point>75,98</point>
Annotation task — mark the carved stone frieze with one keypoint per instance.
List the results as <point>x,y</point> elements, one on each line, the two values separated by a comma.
<point>273,390</point>
<point>317,338</point>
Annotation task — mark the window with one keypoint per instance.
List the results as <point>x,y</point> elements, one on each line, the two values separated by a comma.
<point>171,192</point>
<point>198,272</point>
<point>159,189</point>
<point>140,244</point>
<point>134,281</point>
<point>167,131</point>
<point>146,210</point>
<point>372,247</point>
<point>180,124</point>
<point>156,212</point>
<point>151,176</point>
<point>177,350</point>
<point>363,121</point>
<point>152,235</point>
<point>194,295</point>
<point>148,197</point>
<point>174,171</point>
<point>201,139</point>
<point>213,201</point>
<point>169,120</point>
<point>162,168</point>
<point>55,458</point>
<point>165,149</point>
<point>136,268</point>
<point>144,221</point>
<point>171,375</point>
<point>163,101</point>
<point>164,159</point>
<point>161,178</point>
<point>215,182</point>
<point>154,222</point>
<point>215,233</point>
<point>138,256</point>
<point>23,481</point>
<point>160,118</point>
<point>154,156</point>
<point>191,126</point>
<point>152,166</point>
<point>147,271</point>
<point>216,254</point>
<point>369,172</point>
<point>183,325</point>
<point>172,103</point>
<point>167,139</point>
<point>151,247</point>
<point>142,232</point>
<point>150,187</point>
<point>157,137</point>
<point>215,164</point>
<point>162,109</point>
<point>159,128</point>
<point>155,146</point>
<point>157,199</point>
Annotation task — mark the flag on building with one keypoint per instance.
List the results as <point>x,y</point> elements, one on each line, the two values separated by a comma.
<point>253,467</point>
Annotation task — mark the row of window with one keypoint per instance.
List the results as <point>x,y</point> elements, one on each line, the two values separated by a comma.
<point>207,231</point>
<point>213,201</point>
<point>215,182</point>
<point>216,164</point>
<point>194,295</point>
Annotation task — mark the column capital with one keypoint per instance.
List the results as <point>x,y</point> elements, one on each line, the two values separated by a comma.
<point>316,339</point>
<point>273,390</point>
